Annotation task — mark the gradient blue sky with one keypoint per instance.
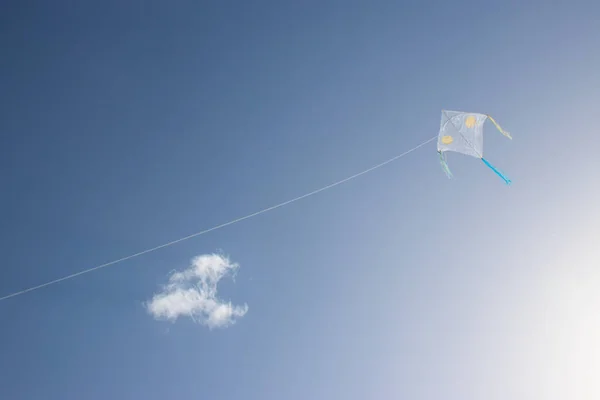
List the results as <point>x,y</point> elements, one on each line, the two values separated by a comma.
<point>127,124</point>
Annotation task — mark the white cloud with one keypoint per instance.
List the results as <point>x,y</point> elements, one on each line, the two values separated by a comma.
<point>193,293</point>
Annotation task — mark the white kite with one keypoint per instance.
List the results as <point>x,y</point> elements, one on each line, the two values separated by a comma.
<point>463,133</point>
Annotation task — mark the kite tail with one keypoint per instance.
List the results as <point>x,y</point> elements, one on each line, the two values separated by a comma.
<point>502,131</point>
<point>445,166</point>
<point>500,174</point>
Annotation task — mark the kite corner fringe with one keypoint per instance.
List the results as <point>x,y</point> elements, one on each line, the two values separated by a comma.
<point>500,174</point>
<point>445,166</point>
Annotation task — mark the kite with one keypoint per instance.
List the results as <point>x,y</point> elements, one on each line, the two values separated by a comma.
<point>463,133</point>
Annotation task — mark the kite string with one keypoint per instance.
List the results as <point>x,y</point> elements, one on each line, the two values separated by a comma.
<point>234,221</point>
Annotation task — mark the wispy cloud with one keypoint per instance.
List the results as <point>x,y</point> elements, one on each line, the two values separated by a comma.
<point>193,293</point>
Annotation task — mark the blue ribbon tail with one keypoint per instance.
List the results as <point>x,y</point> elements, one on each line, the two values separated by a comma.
<point>500,174</point>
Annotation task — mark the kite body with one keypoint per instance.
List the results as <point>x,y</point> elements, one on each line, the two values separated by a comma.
<point>462,132</point>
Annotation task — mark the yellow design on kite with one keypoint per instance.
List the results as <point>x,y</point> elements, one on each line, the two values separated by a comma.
<point>447,139</point>
<point>470,121</point>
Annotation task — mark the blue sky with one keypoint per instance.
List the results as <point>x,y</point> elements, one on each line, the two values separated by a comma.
<point>127,124</point>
